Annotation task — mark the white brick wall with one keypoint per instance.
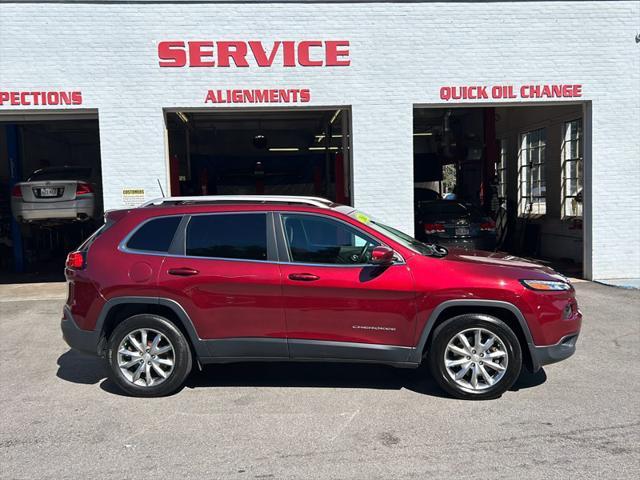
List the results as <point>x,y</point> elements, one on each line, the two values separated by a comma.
<point>401,54</point>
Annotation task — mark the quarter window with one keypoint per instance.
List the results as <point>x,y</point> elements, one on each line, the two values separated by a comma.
<point>572,169</point>
<point>235,236</point>
<point>155,235</point>
<point>313,239</point>
<point>531,161</point>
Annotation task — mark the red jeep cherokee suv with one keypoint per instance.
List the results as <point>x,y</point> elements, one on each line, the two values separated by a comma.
<point>230,279</point>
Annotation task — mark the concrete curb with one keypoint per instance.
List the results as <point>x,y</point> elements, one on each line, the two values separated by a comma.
<point>33,291</point>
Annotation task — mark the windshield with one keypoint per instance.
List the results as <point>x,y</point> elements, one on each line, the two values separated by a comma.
<point>442,207</point>
<point>401,237</point>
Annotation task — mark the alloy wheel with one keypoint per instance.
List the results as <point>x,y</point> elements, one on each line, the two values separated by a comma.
<point>476,359</point>
<point>146,357</point>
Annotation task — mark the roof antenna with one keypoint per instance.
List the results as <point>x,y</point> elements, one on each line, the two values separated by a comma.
<point>160,185</point>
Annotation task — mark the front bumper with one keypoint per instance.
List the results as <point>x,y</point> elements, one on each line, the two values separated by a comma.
<point>554,353</point>
<point>86,341</point>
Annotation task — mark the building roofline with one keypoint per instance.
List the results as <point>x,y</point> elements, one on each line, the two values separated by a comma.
<point>124,2</point>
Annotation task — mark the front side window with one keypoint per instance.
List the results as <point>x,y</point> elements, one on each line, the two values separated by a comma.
<point>531,160</point>
<point>155,235</point>
<point>241,236</point>
<point>572,176</point>
<point>313,239</point>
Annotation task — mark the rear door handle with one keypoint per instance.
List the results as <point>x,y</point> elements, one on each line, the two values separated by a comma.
<point>183,271</point>
<point>303,277</point>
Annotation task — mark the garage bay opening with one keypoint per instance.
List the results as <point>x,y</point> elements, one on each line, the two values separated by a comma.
<point>272,152</point>
<point>505,179</point>
<point>50,191</point>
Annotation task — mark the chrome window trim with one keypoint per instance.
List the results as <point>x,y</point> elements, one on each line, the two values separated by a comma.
<point>124,249</point>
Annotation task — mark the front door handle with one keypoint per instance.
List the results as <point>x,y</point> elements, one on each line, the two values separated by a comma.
<point>303,277</point>
<point>183,271</point>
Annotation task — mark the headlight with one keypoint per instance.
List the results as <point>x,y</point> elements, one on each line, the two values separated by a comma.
<point>546,285</point>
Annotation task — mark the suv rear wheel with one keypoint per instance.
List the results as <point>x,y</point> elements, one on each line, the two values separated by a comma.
<point>475,356</point>
<point>148,356</point>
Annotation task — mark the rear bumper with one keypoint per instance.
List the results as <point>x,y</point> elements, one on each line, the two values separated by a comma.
<point>85,341</point>
<point>70,209</point>
<point>554,353</point>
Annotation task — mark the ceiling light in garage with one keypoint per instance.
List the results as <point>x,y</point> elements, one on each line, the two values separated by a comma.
<point>323,148</point>
<point>182,117</point>
<point>423,134</point>
<point>284,149</point>
<point>319,138</point>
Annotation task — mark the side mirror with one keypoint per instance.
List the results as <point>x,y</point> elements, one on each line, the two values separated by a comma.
<point>382,256</point>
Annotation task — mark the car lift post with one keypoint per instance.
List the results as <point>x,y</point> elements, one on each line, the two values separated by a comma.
<point>15,176</point>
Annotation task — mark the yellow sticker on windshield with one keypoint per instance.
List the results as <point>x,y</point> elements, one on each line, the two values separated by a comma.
<point>361,217</point>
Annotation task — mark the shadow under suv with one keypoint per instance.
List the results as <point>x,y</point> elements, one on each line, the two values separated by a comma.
<point>202,280</point>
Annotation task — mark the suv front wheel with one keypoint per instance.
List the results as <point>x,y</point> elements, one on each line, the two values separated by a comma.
<point>475,356</point>
<point>148,356</point>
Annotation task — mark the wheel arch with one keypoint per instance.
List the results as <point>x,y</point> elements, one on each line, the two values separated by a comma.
<point>120,308</point>
<point>505,311</point>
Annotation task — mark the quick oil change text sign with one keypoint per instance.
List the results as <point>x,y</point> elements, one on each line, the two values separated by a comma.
<point>497,92</point>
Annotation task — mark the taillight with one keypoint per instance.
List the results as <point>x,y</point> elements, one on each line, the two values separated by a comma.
<point>489,226</point>
<point>16,191</point>
<point>75,260</point>
<point>83,188</point>
<point>431,228</point>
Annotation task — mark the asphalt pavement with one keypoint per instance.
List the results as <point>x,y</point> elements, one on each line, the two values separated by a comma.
<point>61,418</point>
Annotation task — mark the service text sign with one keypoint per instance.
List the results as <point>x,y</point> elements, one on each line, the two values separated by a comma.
<point>224,54</point>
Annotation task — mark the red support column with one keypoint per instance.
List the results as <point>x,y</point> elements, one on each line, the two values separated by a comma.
<point>339,169</point>
<point>490,155</point>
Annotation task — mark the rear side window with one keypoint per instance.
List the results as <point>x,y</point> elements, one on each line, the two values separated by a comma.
<point>155,235</point>
<point>236,236</point>
<point>64,173</point>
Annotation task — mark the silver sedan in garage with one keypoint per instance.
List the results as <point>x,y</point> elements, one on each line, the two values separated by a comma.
<point>54,194</point>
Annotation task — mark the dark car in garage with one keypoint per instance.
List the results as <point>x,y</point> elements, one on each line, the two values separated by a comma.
<point>454,224</point>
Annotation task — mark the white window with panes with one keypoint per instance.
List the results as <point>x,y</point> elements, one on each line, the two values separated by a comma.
<point>572,169</point>
<point>531,173</point>
<point>501,170</point>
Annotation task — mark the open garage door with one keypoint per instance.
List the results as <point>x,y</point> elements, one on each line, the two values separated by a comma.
<point>284,152</point>
<point>503,178</point>
<point>50,191</point>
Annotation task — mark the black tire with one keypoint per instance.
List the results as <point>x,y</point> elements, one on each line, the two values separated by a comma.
<point>448,330</point>
<point>181,356</point>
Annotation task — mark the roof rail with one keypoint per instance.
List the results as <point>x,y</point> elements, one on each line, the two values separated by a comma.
<point>314,201</point>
